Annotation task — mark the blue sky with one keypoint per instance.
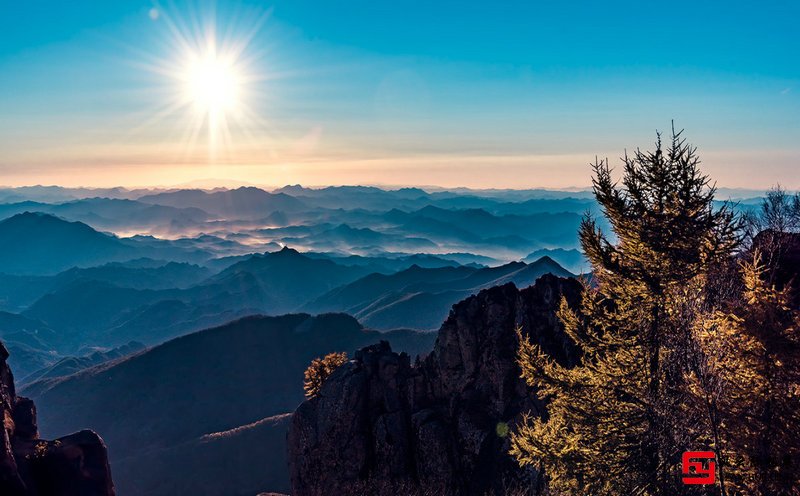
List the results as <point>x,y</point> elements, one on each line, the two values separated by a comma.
<point>480,94</point>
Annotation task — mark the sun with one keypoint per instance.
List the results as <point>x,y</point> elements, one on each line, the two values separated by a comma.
<point>212,84</point>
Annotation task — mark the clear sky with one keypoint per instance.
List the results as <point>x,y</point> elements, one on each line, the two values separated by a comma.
<point>450,93</point>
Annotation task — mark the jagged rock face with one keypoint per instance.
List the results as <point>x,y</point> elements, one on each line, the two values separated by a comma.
<point>381,423</point>
<point>75,465</point>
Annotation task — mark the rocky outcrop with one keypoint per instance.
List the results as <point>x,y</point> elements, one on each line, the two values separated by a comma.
<point>75,465</point>
<point>382,425</point>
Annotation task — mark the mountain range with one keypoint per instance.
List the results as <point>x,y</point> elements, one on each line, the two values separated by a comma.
<point>195,398</point>
<point>240,203</point>
<point>420,298</point>
<point>178,323</point>
<point>194,225</point>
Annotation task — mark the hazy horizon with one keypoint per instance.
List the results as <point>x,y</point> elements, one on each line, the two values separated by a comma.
<point>213,184</point>
<point>450,94</point>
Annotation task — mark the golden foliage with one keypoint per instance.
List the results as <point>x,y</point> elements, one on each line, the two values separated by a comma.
<point>319,370</point>
<point>681,348</point>
<point>751,377</point>
<point>615,423</point>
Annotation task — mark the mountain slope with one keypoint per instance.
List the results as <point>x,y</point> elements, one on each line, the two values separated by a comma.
<point>210,381</point>
<point>73,364</point>
<point>166,276</point>
<point>109,213</point>
<point>31,342</point>
<point>105,306</point>
<point>477,226</point>
<point>38,244</point>
<point>84,307</point>
<point>573,260</point>
<point>354,297</point>
<point>276,282</point>
<point>420,298</point>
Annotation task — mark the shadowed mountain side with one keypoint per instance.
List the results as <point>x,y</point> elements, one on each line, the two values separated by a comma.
<point>240,462</point>
<point>210,381</point>
<point>414,310</point>
<point>27,359</point>
<point>353,297</point>
<point>38,332</point>
<point>345,237</point>
<point>573,260</point>
<point>166,276</point>
<point>19,292</point>
<point>84,307</point>
<point>42,244</point>
<point>386,265</point>
<point>106,314</point>
<point>108,213</point>
<point>29,341</point>
<point>167,319</point>
<point>37,244</point>
<point>285,279</point>
<point>73,364</point>
<point>479,226</point>
<point>421,298</point>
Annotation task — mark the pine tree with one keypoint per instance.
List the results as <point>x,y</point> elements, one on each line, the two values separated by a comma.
<point>616,423</point>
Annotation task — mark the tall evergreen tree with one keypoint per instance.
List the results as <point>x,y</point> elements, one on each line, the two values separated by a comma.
<point>616,423</point>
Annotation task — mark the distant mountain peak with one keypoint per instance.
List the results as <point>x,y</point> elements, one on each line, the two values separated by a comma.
<point>38,243</point>
<point>291,189</point>
<point>545,259</point>
<point>286,250</point>
<point>413,190</point>
<point>32,216</point>
<point>41,220</point>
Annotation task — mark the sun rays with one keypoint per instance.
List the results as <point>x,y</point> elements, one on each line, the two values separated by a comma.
<point>212,81</point>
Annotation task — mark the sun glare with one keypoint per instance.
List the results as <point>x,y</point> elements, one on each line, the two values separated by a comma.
<point>211,79</point>
<point>212,84</point>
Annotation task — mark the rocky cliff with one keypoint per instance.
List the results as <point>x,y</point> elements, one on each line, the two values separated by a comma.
<point>382,425</point>
<point>75,465</point>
